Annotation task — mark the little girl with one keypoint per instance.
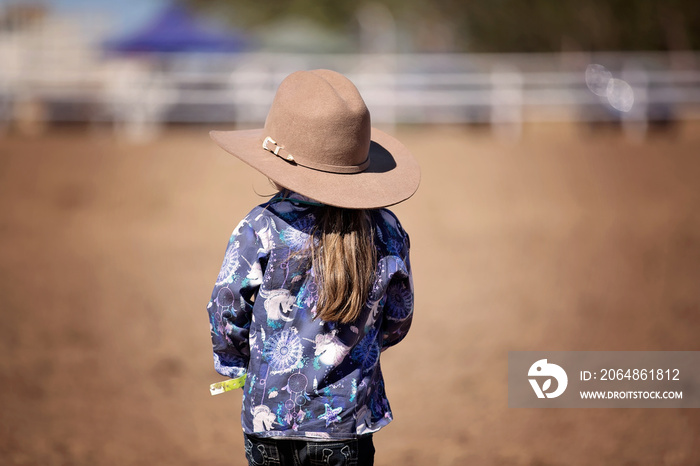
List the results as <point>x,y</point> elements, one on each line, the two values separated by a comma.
<point>316,282</point>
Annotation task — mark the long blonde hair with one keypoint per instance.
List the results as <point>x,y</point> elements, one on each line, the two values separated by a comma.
<point>344,258</point>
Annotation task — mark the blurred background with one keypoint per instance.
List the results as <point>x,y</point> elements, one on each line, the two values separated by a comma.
<point>558,210</point>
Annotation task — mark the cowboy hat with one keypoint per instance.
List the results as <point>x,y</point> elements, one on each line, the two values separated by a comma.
<point>318,141</point>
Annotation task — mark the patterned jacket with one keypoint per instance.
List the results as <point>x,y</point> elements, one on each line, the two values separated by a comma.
<point>305,377</point>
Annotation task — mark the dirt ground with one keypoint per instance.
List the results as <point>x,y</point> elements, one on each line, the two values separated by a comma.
<point>569,239</point>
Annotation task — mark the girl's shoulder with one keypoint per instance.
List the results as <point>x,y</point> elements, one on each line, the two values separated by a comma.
<point>270,220</point>
<point>390,236</point>
<point>387,220</point>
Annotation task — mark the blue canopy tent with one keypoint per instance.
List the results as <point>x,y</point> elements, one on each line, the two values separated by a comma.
<point>177,30</point>
<point>176,41</point>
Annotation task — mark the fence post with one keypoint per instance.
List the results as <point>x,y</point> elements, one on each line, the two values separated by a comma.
<point>506,103</point>
<point>635,122</point>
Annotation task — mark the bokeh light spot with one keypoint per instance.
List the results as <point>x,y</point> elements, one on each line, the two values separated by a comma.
<point>620,95</point>
<point>597,79</point>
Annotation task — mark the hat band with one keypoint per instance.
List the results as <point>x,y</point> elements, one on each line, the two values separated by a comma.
<point>284,154</point>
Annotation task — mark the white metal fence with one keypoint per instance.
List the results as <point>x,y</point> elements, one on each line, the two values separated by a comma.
<point>73,84</point>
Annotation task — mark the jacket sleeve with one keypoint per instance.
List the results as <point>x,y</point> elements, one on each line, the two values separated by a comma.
<point>231,304</point>
<point>398,306</point>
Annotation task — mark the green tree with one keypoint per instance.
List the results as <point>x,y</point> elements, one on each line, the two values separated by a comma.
<point>499,25</point>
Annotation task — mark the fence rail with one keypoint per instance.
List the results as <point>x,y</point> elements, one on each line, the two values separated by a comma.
<point>503,90</point>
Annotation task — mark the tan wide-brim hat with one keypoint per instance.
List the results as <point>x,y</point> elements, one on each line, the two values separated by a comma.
<point>318,141</point>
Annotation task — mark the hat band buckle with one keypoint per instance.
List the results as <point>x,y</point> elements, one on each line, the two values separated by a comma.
<point>276,150</point>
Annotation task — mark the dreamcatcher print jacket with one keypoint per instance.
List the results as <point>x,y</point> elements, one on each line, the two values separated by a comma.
<point>305,377</point>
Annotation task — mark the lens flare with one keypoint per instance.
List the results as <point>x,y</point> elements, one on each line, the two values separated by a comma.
<point>620,95</point>
<point>597,79</point>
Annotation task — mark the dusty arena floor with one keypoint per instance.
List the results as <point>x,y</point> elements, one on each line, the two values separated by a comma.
<point>570,239</point>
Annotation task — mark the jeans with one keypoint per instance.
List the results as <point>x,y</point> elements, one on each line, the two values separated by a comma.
<point>289,452</point>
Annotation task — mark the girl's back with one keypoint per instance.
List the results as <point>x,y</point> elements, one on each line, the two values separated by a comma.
<point>307,377</point>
